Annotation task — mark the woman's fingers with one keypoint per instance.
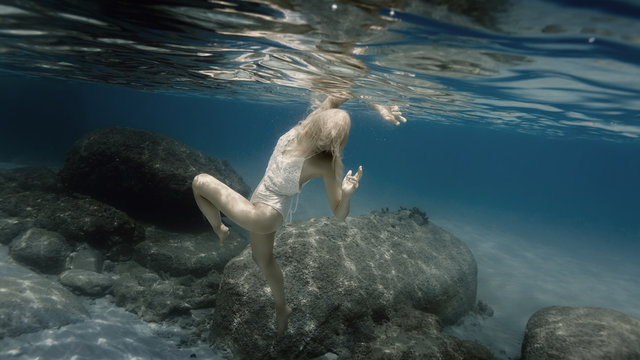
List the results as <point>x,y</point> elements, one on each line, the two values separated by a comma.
<point>353,180</point>
<point>359,173</point>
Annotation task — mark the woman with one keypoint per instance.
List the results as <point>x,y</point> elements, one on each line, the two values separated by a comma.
<point>313,148</point>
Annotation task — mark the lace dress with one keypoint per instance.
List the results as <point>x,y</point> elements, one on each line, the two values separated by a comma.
<point>281,179</point>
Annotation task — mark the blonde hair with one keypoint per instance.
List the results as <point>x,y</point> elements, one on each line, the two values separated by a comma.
<point>324,131</point>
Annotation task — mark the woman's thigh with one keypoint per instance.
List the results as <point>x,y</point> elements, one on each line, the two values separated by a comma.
<point>255,217</point>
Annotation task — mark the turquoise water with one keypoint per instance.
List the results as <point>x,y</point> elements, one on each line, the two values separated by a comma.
<point>522,132</point>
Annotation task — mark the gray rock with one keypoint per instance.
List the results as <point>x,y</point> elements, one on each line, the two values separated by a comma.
<point>85,258</point>
<point>145,174</point>
<point>42,250</point>
<point>155,298</point>
<point>29,178</point>
<point>411,334</point>
<point>583,333</point>
<point>86,282</point>
<point>11,227</point>
<point>78,218</point>
<point>340,278</point>
<point>30,303</point>
<point>186,254</point>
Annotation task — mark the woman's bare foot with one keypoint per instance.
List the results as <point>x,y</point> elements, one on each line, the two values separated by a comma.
<point>282,320</point>
<point>222,232</point>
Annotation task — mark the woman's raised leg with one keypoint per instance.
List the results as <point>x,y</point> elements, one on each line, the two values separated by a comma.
<point>262,252</point>
<point>213,197</point>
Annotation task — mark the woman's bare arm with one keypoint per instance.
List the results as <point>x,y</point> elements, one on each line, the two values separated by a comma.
<point>331,102</point>
<point>390,113</point>
<point>340,195</point>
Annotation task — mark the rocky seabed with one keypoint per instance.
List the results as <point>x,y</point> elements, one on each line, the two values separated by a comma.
<point>118,226</point>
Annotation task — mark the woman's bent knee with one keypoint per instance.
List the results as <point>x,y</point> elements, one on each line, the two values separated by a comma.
<point>199,181</point>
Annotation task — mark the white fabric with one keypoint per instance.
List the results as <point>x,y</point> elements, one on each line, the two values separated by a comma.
<point>281,179</point>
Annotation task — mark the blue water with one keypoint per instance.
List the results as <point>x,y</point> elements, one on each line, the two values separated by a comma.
<point>587,185</point>
<point>522,132</point>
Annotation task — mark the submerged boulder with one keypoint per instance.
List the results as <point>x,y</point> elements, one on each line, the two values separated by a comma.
<point>29,178</point>
<point>78,218</point>
<point>145,174</point>
<point>412,334</point>
<point>584,333</point>
<point>157,298</point>
<point>86,282</point>
<point>85,258</point>
<point>42,250</point>
<point>29,303</point>
<point>178,254</point>
<point>341,279</point>
<point>10,227</point>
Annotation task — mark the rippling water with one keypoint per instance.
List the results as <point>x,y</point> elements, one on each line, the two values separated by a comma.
<point>563,68</point>
<point>550,222</point>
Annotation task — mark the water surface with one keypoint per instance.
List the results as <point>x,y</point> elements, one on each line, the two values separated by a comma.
<point>523,125</point>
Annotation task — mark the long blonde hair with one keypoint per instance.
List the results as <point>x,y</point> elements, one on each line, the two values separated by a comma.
<point>324,131</point>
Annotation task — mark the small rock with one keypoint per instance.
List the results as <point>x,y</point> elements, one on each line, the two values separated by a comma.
<point>327,356</point>
<point>86,282</point>
<point>483,309</point>
<point>12,227</point>
<point>85,258</point>
<point>42,250</point>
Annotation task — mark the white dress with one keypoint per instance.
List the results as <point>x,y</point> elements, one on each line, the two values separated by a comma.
<point>281,179</point>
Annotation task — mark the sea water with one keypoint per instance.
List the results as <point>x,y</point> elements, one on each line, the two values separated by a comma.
<point>522,136</point>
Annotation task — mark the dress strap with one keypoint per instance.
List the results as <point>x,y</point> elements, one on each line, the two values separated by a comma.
<point>291,212</point>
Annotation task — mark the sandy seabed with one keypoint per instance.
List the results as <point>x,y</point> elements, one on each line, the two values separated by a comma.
<point>520,273</point>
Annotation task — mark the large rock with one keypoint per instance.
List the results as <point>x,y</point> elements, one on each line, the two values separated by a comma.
<point>78,218</point>
<point>581,333</point>
<point>145,174</point>
<point>42,250</point>
<point>186,254</point>
<point>340,278</point>
<point>29,303</point>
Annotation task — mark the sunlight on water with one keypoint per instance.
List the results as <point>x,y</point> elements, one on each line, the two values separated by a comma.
<point>538,67</point>
<point>551,218</point>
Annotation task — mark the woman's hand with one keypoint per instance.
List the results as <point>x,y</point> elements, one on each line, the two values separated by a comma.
<point>350,182</point>
<point>391,114</point>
